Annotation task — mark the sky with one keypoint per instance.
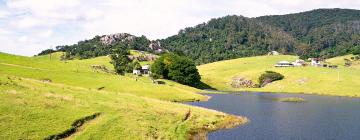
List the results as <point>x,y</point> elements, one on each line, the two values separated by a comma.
<point>29,26</point>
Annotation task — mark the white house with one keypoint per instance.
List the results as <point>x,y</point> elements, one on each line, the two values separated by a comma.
<point>298,63</point>
<point>144,70</point>
<point>316,62</point>
<point>284,64</point>
<point>137,72</point>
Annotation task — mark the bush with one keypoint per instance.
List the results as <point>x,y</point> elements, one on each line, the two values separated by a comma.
<point>177,68</point>
<point>120,60</point>
<point>268,77</point>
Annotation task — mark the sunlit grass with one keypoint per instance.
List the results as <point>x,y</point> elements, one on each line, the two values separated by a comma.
<point>311,80</point>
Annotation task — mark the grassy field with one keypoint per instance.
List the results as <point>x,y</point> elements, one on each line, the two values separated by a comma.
<point>40,97</point>
<point>341,62</point>
<point>80,73</point>
<point>310,80</point>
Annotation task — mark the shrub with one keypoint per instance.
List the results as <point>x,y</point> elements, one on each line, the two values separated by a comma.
<point>268,77</point>
<point>177,68</point>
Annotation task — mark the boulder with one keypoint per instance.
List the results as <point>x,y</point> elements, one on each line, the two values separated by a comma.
<point>241,82</point>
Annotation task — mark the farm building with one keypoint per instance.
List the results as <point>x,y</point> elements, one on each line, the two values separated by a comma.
<point>298,62</point>
<point>315,62</point>
<point>144,70</point>
<point>284,64</point>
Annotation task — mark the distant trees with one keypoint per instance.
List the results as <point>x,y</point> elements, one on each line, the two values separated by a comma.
<point>319,33</point>
<point>120,60</point>
<point>356,50</point>
<point>177,68</point>
<point>47,51</point>
<point>94,47</point>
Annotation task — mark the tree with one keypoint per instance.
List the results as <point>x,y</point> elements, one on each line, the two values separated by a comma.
<point>158,68</point>
<point>356,50</point>
<point>178,68</point>
<point>120,60</point>
<point>136,65</point>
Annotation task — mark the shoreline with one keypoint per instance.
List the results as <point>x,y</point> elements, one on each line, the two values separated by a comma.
<point>229,122</point>
<point>273,92</point>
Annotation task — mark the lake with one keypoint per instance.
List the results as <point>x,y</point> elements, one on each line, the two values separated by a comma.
<point>320,118</point>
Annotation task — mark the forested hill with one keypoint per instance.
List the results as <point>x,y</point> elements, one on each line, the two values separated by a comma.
<point>102,45</point>
<point>317,33</point>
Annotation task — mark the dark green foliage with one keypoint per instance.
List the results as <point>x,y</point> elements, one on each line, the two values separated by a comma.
<point>321,33</point>
<point>226,38</point>
<point>268,77</point>
<point>45,52</point>
<point>159,68</point>
<point>136,65</point>
<point>318,33</point>
<point>120,60</point>
<point>356,50</point>
<point>326,32</point>
<point>94,47</point>
<point>177,68</point>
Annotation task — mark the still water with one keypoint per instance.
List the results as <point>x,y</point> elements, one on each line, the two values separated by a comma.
<point>320,118</point>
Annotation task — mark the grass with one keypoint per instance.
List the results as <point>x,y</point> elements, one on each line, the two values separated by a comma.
<point>310,80</point>
<point>129,109</point>
<point>341,62</point>
<point>79,73</point>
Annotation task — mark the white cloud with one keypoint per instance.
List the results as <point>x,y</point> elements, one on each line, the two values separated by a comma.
<point>45,34</point>
<point>4,14</point>
<point>29,26</point>
<point>23,39</point>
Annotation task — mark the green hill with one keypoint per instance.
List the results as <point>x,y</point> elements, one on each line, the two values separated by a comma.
<point>309,80</point>
<point>40,97</point>
<point>318,33</point>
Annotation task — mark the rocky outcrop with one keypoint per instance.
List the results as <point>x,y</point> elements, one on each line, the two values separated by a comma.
<point>146,57</point>
<point>156,47</point>
<point>112,38</point>
<point>241,82</point>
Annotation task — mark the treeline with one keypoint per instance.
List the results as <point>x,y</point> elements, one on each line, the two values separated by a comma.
<point>229,37</point>
<point>95,47</point>
<point>318,33</point>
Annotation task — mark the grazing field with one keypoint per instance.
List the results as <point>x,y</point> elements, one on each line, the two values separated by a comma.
<point>40,97</point>
<point>310,80</point>
<point>341,62</point>
<point>80,73</point>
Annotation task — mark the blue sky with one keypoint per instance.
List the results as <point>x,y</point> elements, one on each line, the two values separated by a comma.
<point>29,26</point>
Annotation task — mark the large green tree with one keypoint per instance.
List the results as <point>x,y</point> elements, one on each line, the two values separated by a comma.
<point>177,68</point>
<point>120,60</point>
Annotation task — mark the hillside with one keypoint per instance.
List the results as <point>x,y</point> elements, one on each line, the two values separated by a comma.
<point>340,60</point>
<point>322,33</point>
<point>102,45</point>
<point>308,80</point>
<point>317,33</point>
<point>40,97</point>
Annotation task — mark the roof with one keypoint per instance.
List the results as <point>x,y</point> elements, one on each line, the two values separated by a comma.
<point>284,62</point>
<point>145,67</point>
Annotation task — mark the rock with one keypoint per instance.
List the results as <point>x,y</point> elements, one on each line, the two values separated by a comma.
<point>156,46</point>
<point>112,38</point>
<point>241,82</point>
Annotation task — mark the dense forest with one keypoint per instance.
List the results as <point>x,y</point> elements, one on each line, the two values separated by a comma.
<point>317,33</point>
